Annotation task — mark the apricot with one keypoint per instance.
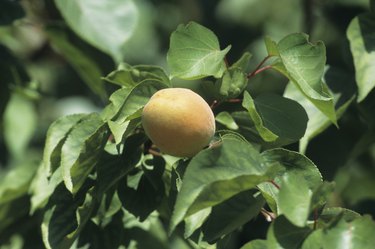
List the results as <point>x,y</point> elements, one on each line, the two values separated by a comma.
<point>178,121</point>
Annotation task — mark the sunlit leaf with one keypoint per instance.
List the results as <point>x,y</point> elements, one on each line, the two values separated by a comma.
<point>105,25</point>
<point>195,53</point>
<point>361,35</point>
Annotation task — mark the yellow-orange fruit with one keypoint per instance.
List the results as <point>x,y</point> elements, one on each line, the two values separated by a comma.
<point>178,121</point>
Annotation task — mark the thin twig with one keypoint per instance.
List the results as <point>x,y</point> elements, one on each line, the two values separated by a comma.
<point>256,70</point>
<point>269,216</point>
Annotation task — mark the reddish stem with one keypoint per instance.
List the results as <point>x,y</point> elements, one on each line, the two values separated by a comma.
<point>154,152</point>
<point>315,218</point>
<point>258,69</point>
<point>234,100</point>
<point>275,184</point>
<point>226,62</point>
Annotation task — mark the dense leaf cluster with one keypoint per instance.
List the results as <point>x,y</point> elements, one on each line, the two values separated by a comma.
<point>101,183</point>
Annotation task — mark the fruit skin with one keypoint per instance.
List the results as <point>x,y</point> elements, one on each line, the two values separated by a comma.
<point>178,121</point>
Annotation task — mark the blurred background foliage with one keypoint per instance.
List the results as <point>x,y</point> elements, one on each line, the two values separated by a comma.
<point>47,71</point>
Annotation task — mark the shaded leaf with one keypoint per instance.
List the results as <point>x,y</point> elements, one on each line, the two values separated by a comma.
<point>284,235</point>
<point>195,53</point>
<point>56,136</point>
<point>90,18</point>
<point>81,150</point>
<point>256,244</point>
<point>232,214</point>
<point>209,181</point>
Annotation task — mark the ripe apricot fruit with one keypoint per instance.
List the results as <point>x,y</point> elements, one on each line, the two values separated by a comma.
<point>178,121</point>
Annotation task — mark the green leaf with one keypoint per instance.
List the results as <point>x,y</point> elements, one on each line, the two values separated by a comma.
<point>112,168</point>
<point>20,121</point>
<point>15,181</point>
<point>314,240</point>
<point>303,63</point>
<point>276,117</point>
<point>226,119</point>
<point>249,104</point>
<point>343,87</point>
<point>85,66</point>
<point>243,62</point>
<point>10,10</point>
<point>232,214</point>
<point>296,166</point>
<point>356,234</point>
<point>56,136</point>
<point>65,217</point>
<point>361,37</point>
<point>209,181</point>
<point>81,150</point>
<point>128,76</point>
<point>294,200</point>
<point>330,216</point>
<point>195,53</point>
<point>143,198</point>
<point>125,103</point>
<point>284,235</point>
<point>233,83</point>
<point>256,244</point>
<point>271,46</point>
<point>105,25</point>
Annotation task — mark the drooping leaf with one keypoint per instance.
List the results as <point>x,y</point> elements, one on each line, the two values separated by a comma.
<point>105,25</point>
<point>209,181</point>
<point>81,150</point>
<point>195,53</point>
<point>303,63</point>
<point>296,166</point>
<point>20,120</point>
<point>56,137</point>
<point>361,35</point>
<point>232,214</point>
<point>85,66</point>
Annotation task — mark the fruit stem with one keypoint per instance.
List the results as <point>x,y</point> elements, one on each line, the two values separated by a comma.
<point>258,69</point>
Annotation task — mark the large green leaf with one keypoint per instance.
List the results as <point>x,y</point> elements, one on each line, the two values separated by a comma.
<point>361,35</point>
<point>56,136</point>
<point>217,174</point>
<point>195,53</point>
<point>65,217</point>
<point>296,166</point>
<point>350,235</point>
<point>303,63</point>
<point>294,199</point>
<point>85,66</point>
<point>106,25</point>
<point>20,120</point>
<point>232,214</point>
<point>256,244</point>
<point>276,117</point>
<point>82,149</point>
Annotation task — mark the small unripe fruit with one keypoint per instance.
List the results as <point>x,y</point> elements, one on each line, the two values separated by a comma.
<point>178,121</point>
